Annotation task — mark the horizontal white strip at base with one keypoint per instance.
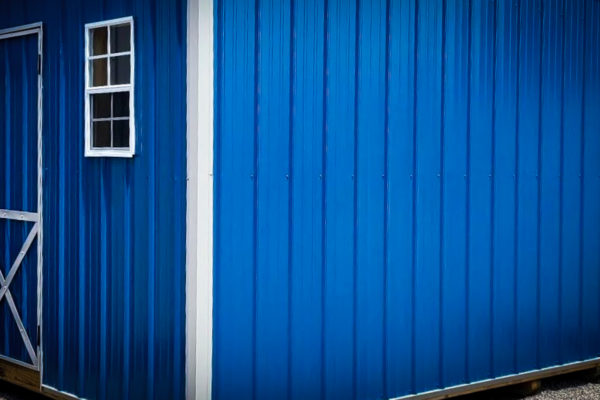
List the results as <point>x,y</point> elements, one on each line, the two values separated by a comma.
<point>502,381</point>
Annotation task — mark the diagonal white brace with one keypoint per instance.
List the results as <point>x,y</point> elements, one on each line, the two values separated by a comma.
<point>5,292</point>
<point>24,336</point>
<point>15,267</point>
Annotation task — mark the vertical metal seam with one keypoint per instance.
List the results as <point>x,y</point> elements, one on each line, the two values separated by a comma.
<point>153,209</point>
<point>517,5</point>
<point>386,183</point>
<point>255,191</point>
<point>324,198</point>
<point>217,144</point>
<point>581,181</point>
<point>355,199</point>
<point>468,192</point>
<point>539,184</point>
<point>441,217</point>
<point>493,186</point>
<point>414,206</point>
<point>561,185</point>
<point>290,200</point>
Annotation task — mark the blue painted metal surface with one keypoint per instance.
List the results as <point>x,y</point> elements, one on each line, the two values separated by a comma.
<point>114,229</point>
<point>407,193</point>
<point>18,186</point>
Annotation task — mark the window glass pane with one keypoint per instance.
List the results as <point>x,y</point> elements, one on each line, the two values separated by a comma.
<point>98,41</point>
<point>101,105</point>
<point>121,104</point>
<point>98,72</point>
<point>119,38</point>
<point>121,133</point>
<point>101,134</point>
<point>119,70</point>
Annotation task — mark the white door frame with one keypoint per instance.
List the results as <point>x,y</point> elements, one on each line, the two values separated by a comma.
<point>36,218</point>
<point>199,220</point>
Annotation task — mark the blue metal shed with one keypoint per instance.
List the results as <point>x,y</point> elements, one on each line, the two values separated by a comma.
<point>297,199</point>
<point>411,190</point>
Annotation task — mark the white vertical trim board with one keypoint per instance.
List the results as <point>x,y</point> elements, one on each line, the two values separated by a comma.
<point>199,236</point>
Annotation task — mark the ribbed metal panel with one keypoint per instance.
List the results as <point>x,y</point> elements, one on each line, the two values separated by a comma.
<point>114,229</point>
<point>407,193</point>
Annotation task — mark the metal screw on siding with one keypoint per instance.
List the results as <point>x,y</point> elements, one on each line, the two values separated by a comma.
<point>320,176</point>
<point>287,176</point>
<point>411,176</point>
<point>252,176</point>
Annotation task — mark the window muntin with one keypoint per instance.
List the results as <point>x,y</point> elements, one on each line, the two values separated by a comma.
<point>109,102</point>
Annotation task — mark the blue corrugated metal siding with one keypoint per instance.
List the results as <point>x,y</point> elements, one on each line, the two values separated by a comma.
<point>18,186</point>
<point>407,193</point>
<point>114,229</point>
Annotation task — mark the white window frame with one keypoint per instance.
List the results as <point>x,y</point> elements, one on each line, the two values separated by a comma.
<point>110,151</point>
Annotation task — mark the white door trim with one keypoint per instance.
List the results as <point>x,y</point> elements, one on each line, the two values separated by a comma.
<point>19,31</point>
<point>199,220</point>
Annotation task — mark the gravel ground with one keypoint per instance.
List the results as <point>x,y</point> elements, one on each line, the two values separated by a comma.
<point>575,386</point>
<point>578,386</point>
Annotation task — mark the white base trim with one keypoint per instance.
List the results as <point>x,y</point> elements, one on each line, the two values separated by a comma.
<point>199,236</point>
<point>507,380</point>
<point>57,394</point>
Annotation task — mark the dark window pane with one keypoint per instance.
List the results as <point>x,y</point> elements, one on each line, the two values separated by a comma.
<point>119,70</point>
<point>98,41</point>
<point>119,38</point>
<point>99,72</point>
<point>121,104</point>
<point>121,133</point>
<point>101,134</point>
<point>101,105</point>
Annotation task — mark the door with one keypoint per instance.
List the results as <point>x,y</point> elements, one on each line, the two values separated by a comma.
<point>20,195</point>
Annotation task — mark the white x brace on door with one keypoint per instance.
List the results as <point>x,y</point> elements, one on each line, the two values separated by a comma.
<point>16,217</point>
<point>6,281</point>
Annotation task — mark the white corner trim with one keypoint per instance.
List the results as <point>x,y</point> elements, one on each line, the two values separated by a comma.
<point>199,236</point>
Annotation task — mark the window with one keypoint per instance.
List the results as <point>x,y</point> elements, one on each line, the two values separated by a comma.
<point>109,100</point>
